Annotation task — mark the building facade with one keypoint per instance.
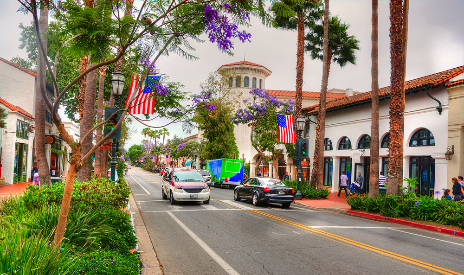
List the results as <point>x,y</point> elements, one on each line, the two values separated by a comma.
<point>433,123</point>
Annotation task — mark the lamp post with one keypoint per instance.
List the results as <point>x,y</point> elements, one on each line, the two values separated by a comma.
<point>117,84</point>
<point>300,124</point>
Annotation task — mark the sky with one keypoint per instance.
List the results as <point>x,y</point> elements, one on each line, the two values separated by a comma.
<point>435,43</point>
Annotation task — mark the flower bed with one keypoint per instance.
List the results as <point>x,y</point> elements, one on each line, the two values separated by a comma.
<point>98,236</point>
<point>410,206</point>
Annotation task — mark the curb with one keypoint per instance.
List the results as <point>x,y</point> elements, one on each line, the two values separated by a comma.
<point>408,223</point>
<point>148,257</point>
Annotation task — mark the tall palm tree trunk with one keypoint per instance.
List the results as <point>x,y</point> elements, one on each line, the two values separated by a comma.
<point>374,168</point>
<point>101,93</point>
<point>82,84</point>
<point>299,67</point>
<point>317,177</point>
<point>40,107</point>
<point>397,101</point>
<point>87,121</point>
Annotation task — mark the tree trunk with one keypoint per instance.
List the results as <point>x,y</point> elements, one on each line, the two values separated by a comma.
<point>82,84</point>
<point>299,67</point>
<point>40,107</point>
<point>318,176</point>
<point>101,93</point>
<point>65,204</point>
<point>374,168</point>
<point>395,164</point>
<point>87,121</point>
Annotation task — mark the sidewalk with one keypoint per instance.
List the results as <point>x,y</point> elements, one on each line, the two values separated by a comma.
<point>340,205</point>
<point>12,189</point>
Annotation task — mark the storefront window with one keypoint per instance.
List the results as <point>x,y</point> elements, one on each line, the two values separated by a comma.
<point>422,137</point>
<point>22,129</point>
<point>345,143</point>
<point>328,169</point>
<point>328,145</point>
<point>364,142</point>
<point>423,168</point>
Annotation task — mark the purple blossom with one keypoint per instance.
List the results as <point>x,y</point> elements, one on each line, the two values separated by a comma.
<point>181,146</point>
<point>146,63</point>
<point>417,203</point>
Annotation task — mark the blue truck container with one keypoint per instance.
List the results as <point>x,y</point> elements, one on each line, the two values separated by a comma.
<point>226,172</point>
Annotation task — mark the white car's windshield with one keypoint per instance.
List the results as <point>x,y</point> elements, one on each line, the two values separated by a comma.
<point>187,176</point>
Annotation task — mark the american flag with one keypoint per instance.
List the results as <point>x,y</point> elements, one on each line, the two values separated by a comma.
<point>168,158</point>
<point>144,103</point>
<point>286,128</point>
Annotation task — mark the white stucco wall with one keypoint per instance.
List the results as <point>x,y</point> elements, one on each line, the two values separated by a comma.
<point>420,112</point>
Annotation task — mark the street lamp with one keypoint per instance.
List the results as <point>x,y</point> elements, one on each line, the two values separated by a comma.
<point>117,84</point>
<point>449,153</point>
<point>300,124</point>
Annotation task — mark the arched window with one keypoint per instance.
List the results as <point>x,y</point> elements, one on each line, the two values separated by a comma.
<point>238,81</point>
<point>231,82</point>
<point>253,82</point>
<point>246,82</point>
<point>345,143</point>
<point>364,142</point>
<point>385,141</point>
<point>422,137</point>
<point>328,144</point>
<point>260,83</point>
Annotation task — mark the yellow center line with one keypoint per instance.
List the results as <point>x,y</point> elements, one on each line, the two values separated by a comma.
<point>352,242</point>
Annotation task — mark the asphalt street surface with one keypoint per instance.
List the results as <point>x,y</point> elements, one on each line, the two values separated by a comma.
<point>229,237</point>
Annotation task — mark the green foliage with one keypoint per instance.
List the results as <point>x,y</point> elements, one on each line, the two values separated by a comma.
<point>134,152</point>
<point>342,46</point>
<point>3,114</point>
<point>412,183</point>
<point>286,13</point>
<point>308,191</point>
<point>96,193</point>
<point>108,262</point>
<point>422,208</point>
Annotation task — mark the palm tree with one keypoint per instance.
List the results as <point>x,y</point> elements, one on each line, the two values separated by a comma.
<point>145,132</point>
<point>297,15</point>
<point>398,34</point>
<point>99,168</point>
<point>374,168</point>
<point>328,42</point>
<point>154,134</point>
<point>165,133</point>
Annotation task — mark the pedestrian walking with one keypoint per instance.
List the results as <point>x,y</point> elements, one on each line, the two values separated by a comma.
<point>286,177</point>
<point>259,174</point>
<point>343,184</point>
<point>446,195</point>
<point>461,181</point>
<point>358,184</point>
<point>35,174</point>
<point>457,190</point>
<point>382,180</point>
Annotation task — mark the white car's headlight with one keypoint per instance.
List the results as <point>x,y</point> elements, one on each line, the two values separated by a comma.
<point>178,190</point>
<point>205,190</point>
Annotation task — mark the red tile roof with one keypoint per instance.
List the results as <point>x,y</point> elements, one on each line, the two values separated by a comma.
<point>14,108</point>
<point>245,63</point>
<point>455,83</point>
<point>18,67</point>
<point>305,94</point>
<point>432,80</point>
<point>191,136</point>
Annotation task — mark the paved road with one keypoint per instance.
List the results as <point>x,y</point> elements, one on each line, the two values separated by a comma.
<point>228,237</point>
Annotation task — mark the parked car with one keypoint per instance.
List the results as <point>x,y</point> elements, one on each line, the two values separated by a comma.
<point>265,190</point>
<point>206,175</point>
<point>184,184</point>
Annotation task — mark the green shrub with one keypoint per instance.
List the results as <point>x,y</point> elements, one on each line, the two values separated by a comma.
<point>307,191</point>
<point>122,236</point>
<point>96,194</point>
<point>391,207</point>
<point>355,202</point>
<point>108,262</point>
<point>450,213</point>
<point>424,209</point>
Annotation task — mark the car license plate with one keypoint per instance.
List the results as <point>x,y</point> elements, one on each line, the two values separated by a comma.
<point>195,196</point>
<point>281,193</point>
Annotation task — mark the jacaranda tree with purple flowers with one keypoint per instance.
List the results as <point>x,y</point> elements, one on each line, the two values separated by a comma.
<point>259,111</point>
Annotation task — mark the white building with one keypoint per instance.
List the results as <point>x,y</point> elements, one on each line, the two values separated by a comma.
<point>17,90</point>
<point>433,121</point>
<point>248,75</point>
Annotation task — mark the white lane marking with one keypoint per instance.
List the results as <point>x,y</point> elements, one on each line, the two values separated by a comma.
<point>209,207</point>
<point>227,268</point>
<point>140,185</point>
<point>460,244</point>
<point>238,205</point>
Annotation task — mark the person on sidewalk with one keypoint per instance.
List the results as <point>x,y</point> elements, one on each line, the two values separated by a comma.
<point>457,190</point>
<point>461,181</point>
<point>358,184</point>
<point>286,177</point>
<point>35,174</point>
<point>446,195</point>
<point>343,184</point>
<point>382,180</point>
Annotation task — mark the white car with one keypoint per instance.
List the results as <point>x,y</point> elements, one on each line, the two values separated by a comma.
<point>184,184</point>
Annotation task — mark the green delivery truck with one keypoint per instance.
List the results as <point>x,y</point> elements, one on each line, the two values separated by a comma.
<point>225,172</point>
